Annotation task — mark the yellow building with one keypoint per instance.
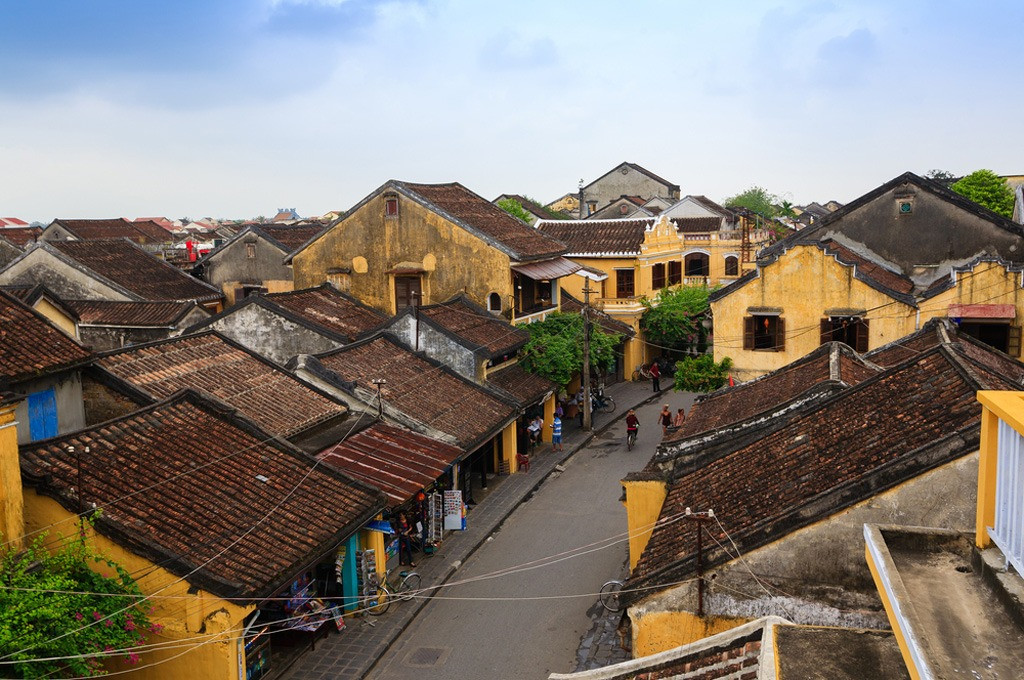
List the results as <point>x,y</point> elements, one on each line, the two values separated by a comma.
<point>629,260</point>
<point>871,272</point>
<point>408,244</point>
<point>207,565</point>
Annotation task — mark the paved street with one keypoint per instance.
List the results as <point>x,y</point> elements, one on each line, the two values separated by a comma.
<point>529,622</point>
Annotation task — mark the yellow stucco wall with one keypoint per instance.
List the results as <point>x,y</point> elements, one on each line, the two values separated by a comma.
<point>11,503</point>
<point>454,259</point>
<point>213,625</point>
<point>57,317</point>
<point>643,505</point>
<point>272,286</point>
<point>989,283</point>
<point>664,630</point>
<point>804,282</point>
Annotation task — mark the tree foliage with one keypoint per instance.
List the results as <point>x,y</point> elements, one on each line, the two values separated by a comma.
<point>755,199</point>
<point>988,189</point>
<point>944,177</point>
<point>515,209</point>
<point>673,319</point>
<point>50,609</point>
<point>555,348</point>
<point>701,373</point>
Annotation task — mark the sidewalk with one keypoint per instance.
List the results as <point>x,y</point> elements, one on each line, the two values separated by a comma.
<point>350,654</point>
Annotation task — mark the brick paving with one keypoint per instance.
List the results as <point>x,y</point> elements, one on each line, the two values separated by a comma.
<point>351,654</point>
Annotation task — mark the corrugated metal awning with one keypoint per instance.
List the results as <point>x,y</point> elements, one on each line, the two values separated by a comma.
<point>982,311</point>
<point>546,270</point>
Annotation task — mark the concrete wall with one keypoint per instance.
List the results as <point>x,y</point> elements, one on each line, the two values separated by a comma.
<point>39,266</point>
<point>271,335</point>
<point>70,405</point>
<point>231,267</point>
<point>370,245</point>
<point>103,403</point>
<point>439,347</point>
<point>689,208</point>
<point>8,252</point>
<point>619,183</point>
<point>816,575</point>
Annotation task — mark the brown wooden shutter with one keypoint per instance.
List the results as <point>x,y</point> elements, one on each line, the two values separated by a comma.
<point>862,335</point>
<point>826,331</point>
<point>748,332</point>
<point>1013,342</point>
<point>780,335</point>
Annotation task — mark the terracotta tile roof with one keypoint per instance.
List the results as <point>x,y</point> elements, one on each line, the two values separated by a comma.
<point>697,225</point>
<point>30,345</point>
<point>570,305</point>
<point>397,461</point>
<point>135,270</point>
<point>711,205</point>
<point>596,237</point>
<point>523,242</point>
<point>466,320</point>
<point>290,236</point>
<point>526,388</point>
<point>111,313</point>
<point>21,236</point>
<point>326,306</point>
<point>258,510</point>
<point>423,389</point>
<point>144,231</point>
<point>269,396</point>
<point>12,222</point>
<point>851,446</point>
<point>161,222</point>
<point>870,270</point>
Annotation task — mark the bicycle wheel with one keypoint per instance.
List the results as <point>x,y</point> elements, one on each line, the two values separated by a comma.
<point>610,595</point>
<point>378,604</point>
<point>630,441</point>
<point>409,587</point>
<point>608,406</point>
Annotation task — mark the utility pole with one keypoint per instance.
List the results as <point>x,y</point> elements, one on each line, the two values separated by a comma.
<point>379,382</point>
<point>699,519</point>
<point>586,358</point>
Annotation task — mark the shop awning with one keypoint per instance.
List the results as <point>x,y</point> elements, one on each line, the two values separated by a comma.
<point>398,462</point>
<point>982,311</point>
<point>546,270</point>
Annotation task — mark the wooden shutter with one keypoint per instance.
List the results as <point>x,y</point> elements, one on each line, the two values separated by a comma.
<point>1013,342</point>
<point>862,335</point>
<point>826,331</point>
<point>780,334</point>
<point>658,276</point>
<point>748,332</point>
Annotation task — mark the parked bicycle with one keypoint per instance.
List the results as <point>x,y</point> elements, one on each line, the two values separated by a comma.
<point>642,372</point>
<point>404,587</point>
<point>609,595</point>
<point>603,403</point>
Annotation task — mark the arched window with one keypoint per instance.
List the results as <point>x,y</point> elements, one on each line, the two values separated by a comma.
<point>696,264</point>
<point>494,303</point>
<point>732,265</point>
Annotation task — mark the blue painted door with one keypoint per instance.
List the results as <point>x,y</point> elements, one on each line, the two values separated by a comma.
<point>42,414</point>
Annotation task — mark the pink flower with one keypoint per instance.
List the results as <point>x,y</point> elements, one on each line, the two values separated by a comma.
<point>133,658</point>
<point>97,616</point>
<point>155,628</point>
<point>108,623</point>
<point>78,616</point>
<point>108,648</point>
<point>130,626</point>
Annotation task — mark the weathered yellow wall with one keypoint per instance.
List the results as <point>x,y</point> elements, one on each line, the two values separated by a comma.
<point>987,284</point>
<point>11,500</point>
<point>272,286</point>
<point>417,235</point>
<point>510,446</point>
<point>643,505</point>
<point>186,617</point>
<point>804,282</point>
<point>663,630</point>
<point>57,317</point>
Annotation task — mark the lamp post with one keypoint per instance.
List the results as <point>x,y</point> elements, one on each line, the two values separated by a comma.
<point>379,382</point>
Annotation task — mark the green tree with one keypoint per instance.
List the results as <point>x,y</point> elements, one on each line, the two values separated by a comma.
<point>988,189</point>
<point>943,177</point>
<point>701,373</point>
<point>555,348</point>
<point>50,609</point>
<point>515,209</point>
<point>673,318</point>
<point>755,199</point>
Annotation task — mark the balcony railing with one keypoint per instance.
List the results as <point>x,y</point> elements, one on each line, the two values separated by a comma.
<point>1008,532</point>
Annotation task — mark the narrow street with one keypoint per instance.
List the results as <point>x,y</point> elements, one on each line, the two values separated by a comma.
<point>529,622</point>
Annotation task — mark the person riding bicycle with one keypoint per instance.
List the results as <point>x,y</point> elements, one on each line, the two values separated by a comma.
<point>632,423</point>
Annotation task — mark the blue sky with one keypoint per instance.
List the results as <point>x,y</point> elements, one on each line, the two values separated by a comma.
<point>234,108</point>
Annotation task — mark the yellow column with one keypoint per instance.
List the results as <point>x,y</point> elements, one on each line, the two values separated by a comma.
<point>509,446</point>
<point>12,503</point>
<point>549,417</point>
<point>987,451</point>
<point>633,355</point>
<point>374,540</point>
<point>643,506</point>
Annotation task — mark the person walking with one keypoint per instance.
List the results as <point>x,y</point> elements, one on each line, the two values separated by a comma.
<point>680,418</point>
<point>656,376</point>
<point>405,532</point>
<point>556,433</point>
<point>665,418</point>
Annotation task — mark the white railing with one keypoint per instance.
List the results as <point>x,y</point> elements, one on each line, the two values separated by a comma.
<point>1008,533</point>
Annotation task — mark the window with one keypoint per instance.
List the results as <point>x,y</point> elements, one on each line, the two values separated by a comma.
<point>624,287</point>
<point>658,276</point>
<point>245,291</point>
<point>494,303</point>
<point>591,207</point>
<point>675,273</point>
<point>696,264</point>
<point>1002,336</point>
<point>852,330</point>
<point>250,250</point>
<point>407,292</point>
<point>391,206</point>
<point>732,265</point>
<point>623,209</point>
<point>42,414</point>
<point>763,332</point>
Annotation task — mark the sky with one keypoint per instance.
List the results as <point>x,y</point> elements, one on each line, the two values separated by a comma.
<point>235,108</point>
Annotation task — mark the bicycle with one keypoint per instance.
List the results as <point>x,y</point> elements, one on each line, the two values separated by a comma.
<point>387,590</point>
<point>642,372</point>
<point>609,595</point>
<point>603,403</point>
<point>631,439</point>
